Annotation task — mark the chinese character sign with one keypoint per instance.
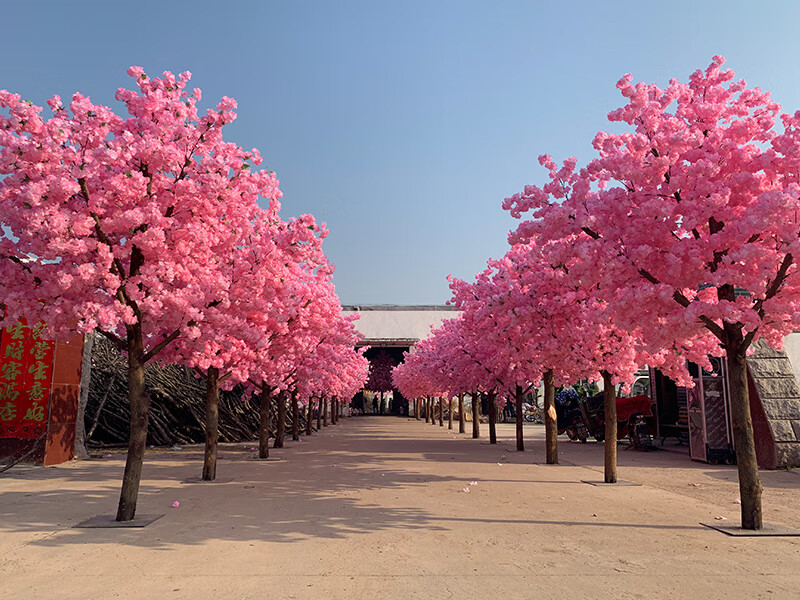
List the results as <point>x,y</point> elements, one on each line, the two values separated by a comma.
<point>26,370</point>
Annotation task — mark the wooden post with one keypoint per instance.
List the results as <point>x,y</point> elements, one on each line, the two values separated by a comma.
<point>550,419</point>
<point>212,424</point>
<point>461,426</point>
<point>492,406</point>
<point>518,407</point>
<point>610,443</point>
<point>476,415</point>
<point>140,410</point>
<point>280,426</point>
<point>263,425</point>
<point>449,412</point>
<point>750,487</point>
<point>81,452</point>
<point>295,417</point>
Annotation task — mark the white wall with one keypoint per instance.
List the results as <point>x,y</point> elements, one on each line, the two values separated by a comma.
<point>792,346</point>
<point>398,323</point>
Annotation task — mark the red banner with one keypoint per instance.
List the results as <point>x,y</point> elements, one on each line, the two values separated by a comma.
<point>26,371</point>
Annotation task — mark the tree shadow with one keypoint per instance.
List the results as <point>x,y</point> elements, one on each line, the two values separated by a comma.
<point>576,523</point>
<point>300,496</point>
<point>777,479</point>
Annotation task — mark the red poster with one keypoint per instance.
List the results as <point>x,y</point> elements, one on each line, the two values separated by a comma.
<point>26,370</point>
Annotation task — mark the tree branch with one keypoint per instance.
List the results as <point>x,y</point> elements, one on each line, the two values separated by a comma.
<point>681,299</point>
<point>775,284</point>
<point>117,341</point>
<point>161,345</point>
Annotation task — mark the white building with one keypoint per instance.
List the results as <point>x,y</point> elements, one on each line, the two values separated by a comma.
<point>394,326</point>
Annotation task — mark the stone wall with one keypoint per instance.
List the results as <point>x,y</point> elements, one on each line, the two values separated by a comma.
<point>779,395</point>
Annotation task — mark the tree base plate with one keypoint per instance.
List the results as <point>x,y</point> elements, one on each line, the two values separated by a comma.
<point>619,483</point>
<point>110,522</point>
<point>201,480</point>
<point>769,530</point>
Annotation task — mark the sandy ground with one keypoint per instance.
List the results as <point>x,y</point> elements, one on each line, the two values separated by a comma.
<point>377,507</point>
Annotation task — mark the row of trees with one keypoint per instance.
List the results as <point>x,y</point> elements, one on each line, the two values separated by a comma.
<point>149,230</point>
<point>676,242</point>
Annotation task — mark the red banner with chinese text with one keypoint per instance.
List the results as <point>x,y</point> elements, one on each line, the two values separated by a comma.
<point>26,371</point>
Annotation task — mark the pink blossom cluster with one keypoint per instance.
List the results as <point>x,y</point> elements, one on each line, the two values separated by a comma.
<point>676,242</point>
<point>150,225</point>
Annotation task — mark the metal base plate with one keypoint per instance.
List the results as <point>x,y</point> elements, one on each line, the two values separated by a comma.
<point>110,522</point>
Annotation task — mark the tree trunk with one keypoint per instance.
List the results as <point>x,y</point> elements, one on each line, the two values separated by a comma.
<point>432,402</point>
<point>518,406</point>
<point>550,419</point>
<point>476,415</point>
<point>319,414</point>
<point>309,416</point>
<point>324,412</point>
<point>746,463</point>
<point>441,411</point>
<point>449,412</point>
<point>610,443</point>
<point>461,428</point>
<point>280,426</point>
<point>416,408</point>
<point>263,429</point>
<point>295,417</point>
<point>86,378</point>
<point>212,424</point>
<point>427,409</point>
<point>492,418</point>
<point>334,416</point>
<point>140,408</point>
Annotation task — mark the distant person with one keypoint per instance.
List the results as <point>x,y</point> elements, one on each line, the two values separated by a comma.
<point>508,410</point>
<point>375,405</point>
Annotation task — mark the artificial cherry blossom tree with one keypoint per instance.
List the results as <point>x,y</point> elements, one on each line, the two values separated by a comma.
<point>121,224</point>
<point>380,375</point>
<point>697,207</point>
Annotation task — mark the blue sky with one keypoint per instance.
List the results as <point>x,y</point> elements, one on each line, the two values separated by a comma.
<point>401,125</point>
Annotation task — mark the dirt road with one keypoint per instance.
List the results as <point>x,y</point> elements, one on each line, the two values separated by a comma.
<point>394,508</point>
